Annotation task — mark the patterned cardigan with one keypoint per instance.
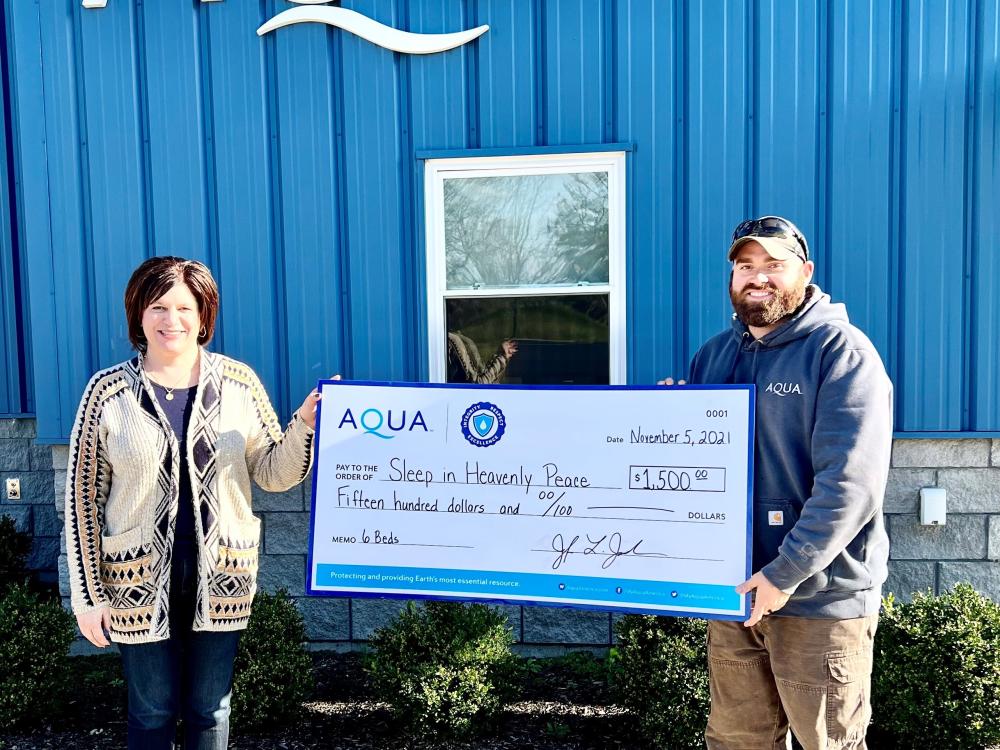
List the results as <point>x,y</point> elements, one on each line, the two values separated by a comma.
<point>122,493</point>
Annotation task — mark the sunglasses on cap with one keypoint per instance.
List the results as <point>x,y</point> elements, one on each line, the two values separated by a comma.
<point>776,227</point>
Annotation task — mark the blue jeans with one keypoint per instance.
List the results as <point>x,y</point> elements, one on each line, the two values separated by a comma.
<point>189,676</point>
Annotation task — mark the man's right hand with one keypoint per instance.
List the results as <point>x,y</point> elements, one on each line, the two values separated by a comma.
<point>93,624</point>
<point>670,381</point>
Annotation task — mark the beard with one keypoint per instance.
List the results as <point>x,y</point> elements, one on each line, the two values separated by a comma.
<point>781,305</point>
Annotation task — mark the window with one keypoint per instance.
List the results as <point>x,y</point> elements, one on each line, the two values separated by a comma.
<point>525,268</point>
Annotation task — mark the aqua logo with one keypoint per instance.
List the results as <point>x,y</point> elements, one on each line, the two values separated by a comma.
<point>374,422</point>
<point>783,389</point>
<point>483,424</point>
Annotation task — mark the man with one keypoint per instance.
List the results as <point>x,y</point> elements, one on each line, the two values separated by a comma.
<point>821,459</point>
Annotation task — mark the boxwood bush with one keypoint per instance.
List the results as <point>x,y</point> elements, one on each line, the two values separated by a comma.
<point>14,548</point>
<point>659,672</point>
<point>273,669</point>
<point>936,677</point>
<point>446,669</point>
<point>35,635</point>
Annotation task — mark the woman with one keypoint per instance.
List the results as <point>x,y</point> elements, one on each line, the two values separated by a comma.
<point>160,533</point>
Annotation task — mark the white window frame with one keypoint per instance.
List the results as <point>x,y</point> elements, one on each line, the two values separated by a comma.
<point>436,171</point>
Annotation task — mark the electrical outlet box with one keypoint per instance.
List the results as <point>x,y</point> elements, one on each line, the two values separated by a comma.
<point>13,488</point>
<point>933,506</point>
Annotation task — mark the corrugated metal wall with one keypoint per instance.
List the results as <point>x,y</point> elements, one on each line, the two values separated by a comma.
<point>289,165</point>
<point>15,355</point>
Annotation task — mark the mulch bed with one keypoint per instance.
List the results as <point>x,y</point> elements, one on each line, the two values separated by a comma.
<point>565,705</point>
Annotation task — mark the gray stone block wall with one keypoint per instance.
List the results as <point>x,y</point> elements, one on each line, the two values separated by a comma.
<point>35,512</point>
<point>967,547</point>
<point>922,558</point>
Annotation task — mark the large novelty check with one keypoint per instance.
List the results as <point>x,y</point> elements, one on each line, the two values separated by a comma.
<point>629,499</point>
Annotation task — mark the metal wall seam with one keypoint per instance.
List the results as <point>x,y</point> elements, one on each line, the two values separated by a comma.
<point>405,186</point>
<point>470,20</point>
<point>15,388</point>
<point>174,139</point>
<point>969,249</point>
<point>820,245</point>
<point>341,227</point>
<point>110,92</point>
<point>444,102</point>
<point>243,171</point>
<point>87,277</point>
<point>609,47</point>
<point>680,250</point>
<point>306,169</point>
<point>140,57</point>
<point>715,157</point>
<point>934,190</point>
<point>540,43</point>
<point>24,35</point>
<point>371,77</point>
<point>206,97</point>
<point>985,267</point>
<point>10,388</point>
<point>896,229</point>
<point>859,173</point>
<point>646,117</point>
<point>282,398</point>
<point>507,84</point>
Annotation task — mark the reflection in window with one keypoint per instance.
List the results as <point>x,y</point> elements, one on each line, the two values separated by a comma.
<point>528,340</point>
<point>526,230</point>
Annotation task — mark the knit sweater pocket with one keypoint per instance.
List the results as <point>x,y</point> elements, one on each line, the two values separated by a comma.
<point>127,578</point>
<point>234,580</point>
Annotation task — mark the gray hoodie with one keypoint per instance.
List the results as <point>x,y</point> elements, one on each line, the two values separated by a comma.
<point>821,455</point>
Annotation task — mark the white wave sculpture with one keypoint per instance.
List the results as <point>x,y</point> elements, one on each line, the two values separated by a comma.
<point>375,32</point>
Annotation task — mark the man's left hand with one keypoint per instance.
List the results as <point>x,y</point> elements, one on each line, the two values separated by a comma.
<point>767,599</point>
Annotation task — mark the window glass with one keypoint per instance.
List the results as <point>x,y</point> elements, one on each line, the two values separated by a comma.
<point>526,230</point>
<point>552,339</point>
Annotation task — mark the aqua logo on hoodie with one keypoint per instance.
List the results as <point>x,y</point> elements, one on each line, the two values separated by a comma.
<point>783,389</point>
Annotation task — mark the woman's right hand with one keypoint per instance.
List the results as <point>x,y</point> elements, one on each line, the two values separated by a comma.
<point>670,381</point>
<point>93,624</point>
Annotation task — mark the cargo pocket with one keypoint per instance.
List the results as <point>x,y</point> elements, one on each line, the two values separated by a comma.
<point>126,575</point>
<point>234,580</point>
<point>847,709</point>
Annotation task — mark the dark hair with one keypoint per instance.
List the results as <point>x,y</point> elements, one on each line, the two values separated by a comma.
<point>154,278</point>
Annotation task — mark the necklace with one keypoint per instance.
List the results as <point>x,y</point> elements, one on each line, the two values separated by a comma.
<point>170,389</point>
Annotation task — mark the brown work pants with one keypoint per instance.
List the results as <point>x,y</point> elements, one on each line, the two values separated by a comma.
<point>811,674</point>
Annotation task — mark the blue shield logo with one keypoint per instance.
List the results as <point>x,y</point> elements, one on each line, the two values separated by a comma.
<point>483,424</point>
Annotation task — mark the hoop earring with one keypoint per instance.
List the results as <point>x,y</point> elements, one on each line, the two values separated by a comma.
<point>203,332</point>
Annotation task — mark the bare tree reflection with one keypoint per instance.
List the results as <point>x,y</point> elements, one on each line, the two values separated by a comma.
<point>526,230</point>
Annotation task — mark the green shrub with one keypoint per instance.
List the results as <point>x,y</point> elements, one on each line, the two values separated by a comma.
<point>35,636</point>
<point>936,676</point>
<point>14,548</point>
<point>659,672</point>
<point>273,670</point>
<point>446,669</point>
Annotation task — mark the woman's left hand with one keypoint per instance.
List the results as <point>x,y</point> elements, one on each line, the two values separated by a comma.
<point>307,412</point>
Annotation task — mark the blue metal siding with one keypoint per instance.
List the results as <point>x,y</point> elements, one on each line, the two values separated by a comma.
<point>177,185</point>
<point>288,164</point>
<point>984,153</point>
<point>646,116</point>
<point>506,89</point>
<point>311,135</point>
<point>857,252</point>
<point>13,393</point>
<point>716,159</point>
<point>112,116</point>
<point>932,380</point>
